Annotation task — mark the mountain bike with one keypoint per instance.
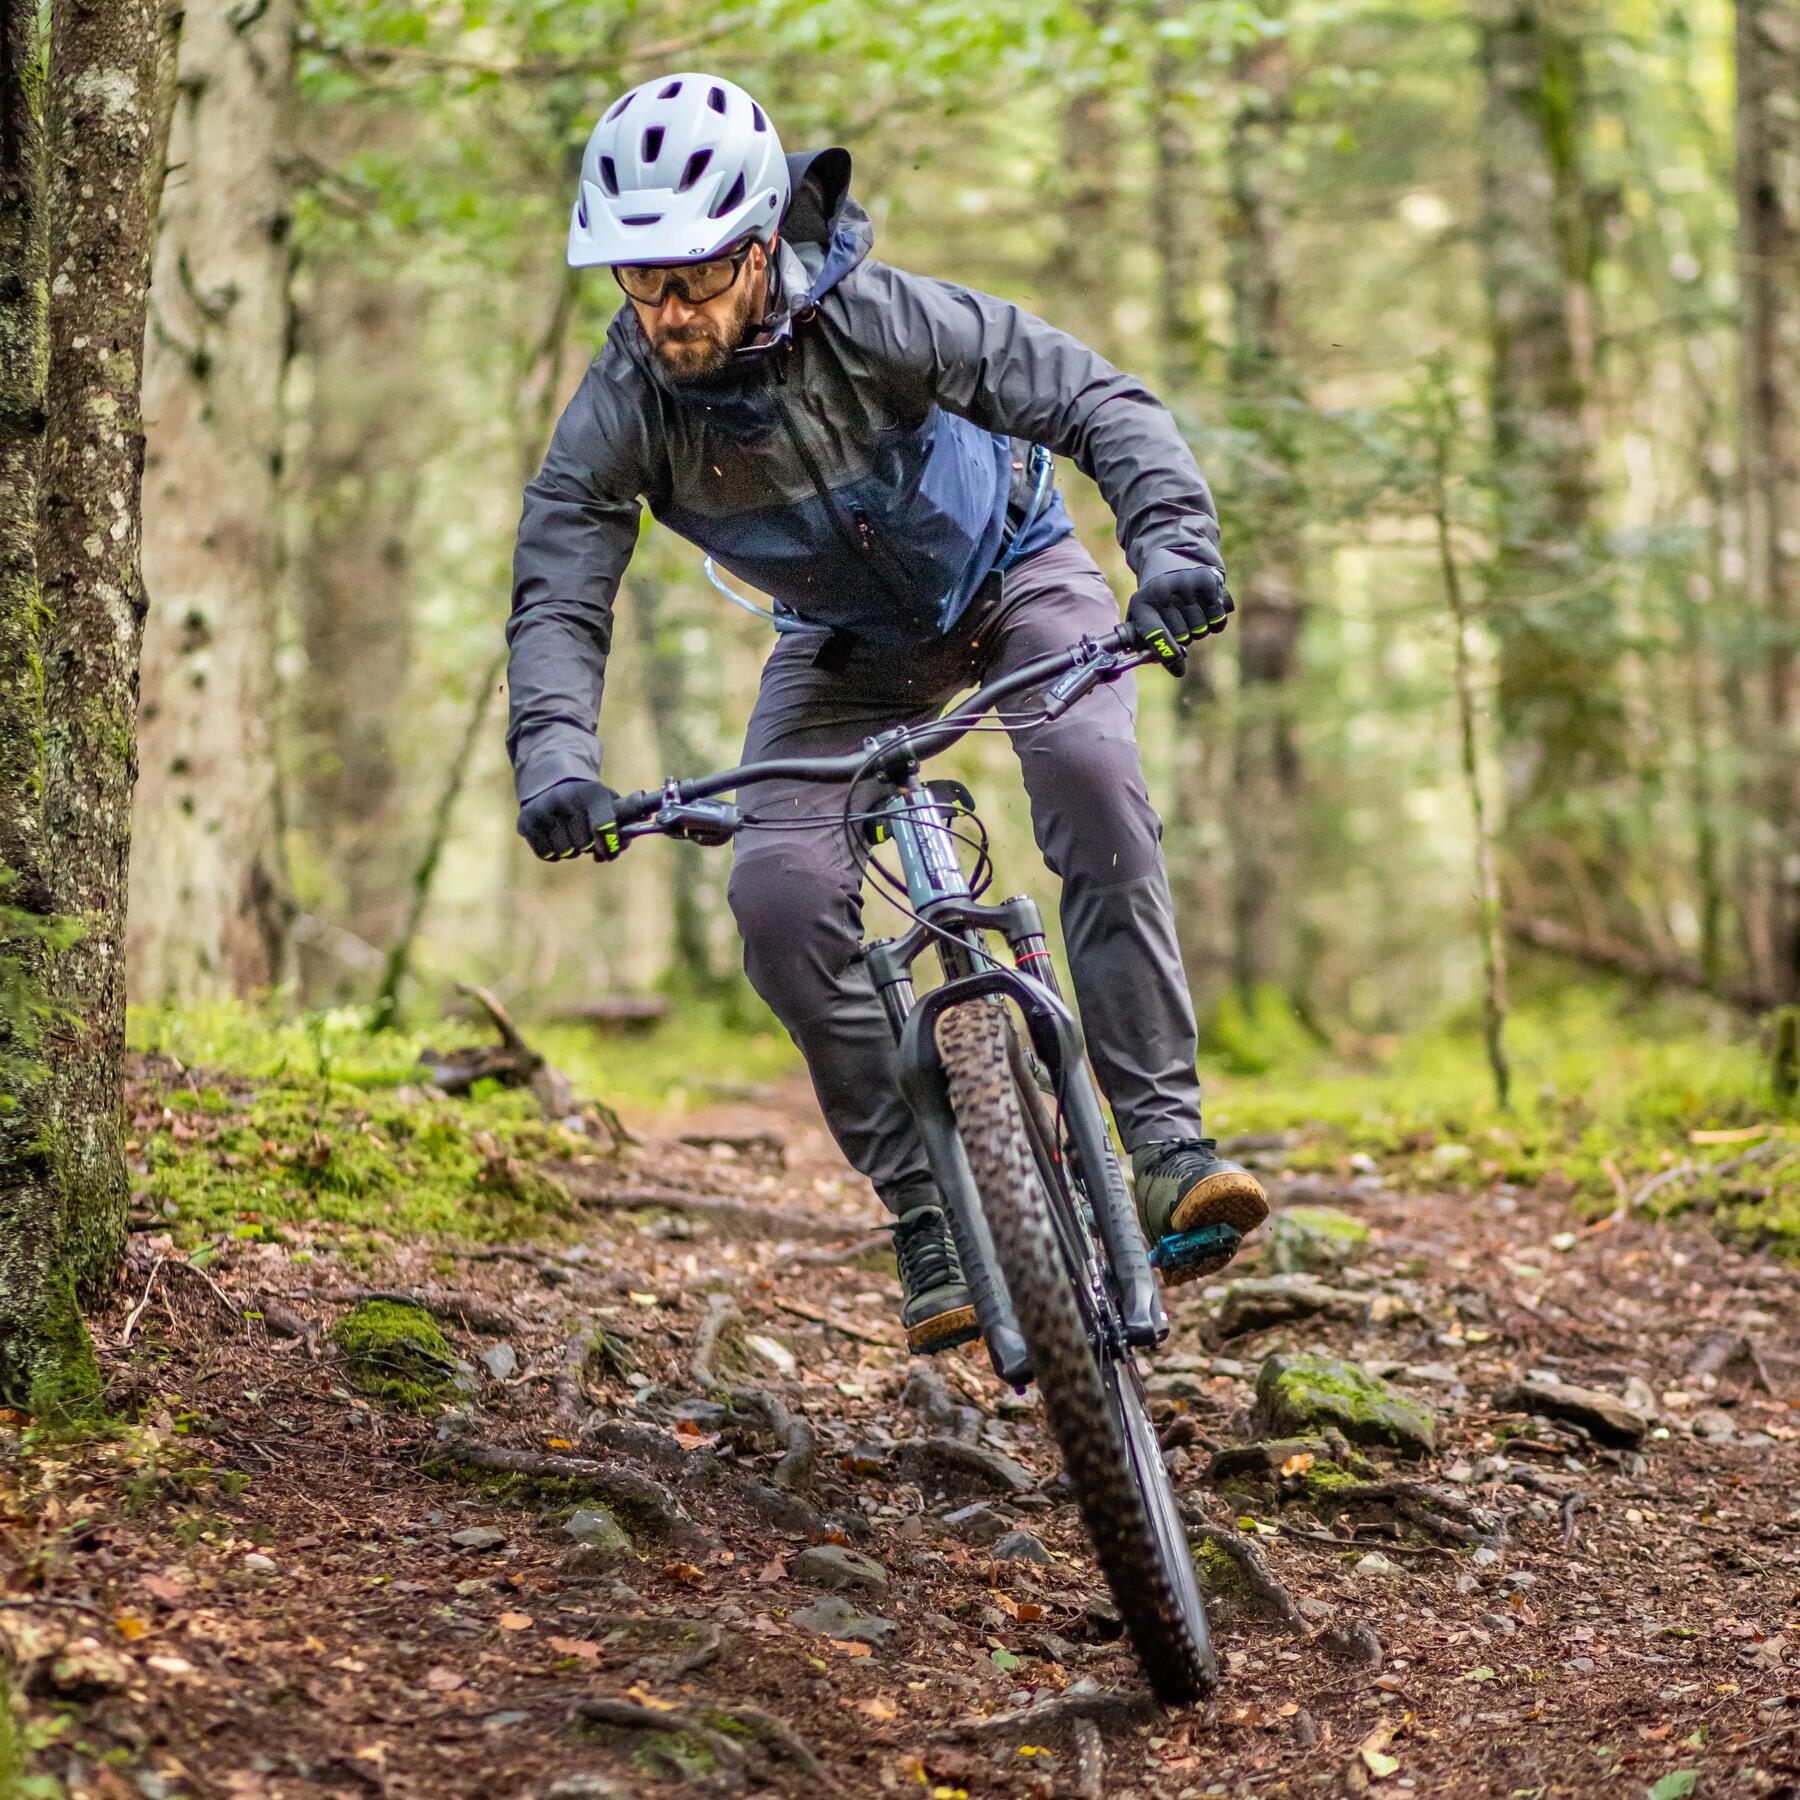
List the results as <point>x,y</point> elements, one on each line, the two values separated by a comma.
<point>992,1062</point>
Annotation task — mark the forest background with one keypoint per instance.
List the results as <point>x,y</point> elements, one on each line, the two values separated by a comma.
<point>1482,316</point>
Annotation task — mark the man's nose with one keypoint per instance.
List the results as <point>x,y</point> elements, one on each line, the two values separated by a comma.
<point>677,312</point>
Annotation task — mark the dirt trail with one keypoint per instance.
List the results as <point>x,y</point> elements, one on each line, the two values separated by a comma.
<point>323,1598</point>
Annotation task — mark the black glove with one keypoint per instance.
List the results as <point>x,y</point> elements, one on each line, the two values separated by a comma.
<point>1173,609</point>
<point>569,818</point>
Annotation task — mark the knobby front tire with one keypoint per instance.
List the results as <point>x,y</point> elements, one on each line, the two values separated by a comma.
<point>1093,1405</point>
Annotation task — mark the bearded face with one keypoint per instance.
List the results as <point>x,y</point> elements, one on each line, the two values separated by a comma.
<point>692,341</point>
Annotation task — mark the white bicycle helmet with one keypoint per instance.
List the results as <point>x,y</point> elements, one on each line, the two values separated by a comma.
<point>676,170</point>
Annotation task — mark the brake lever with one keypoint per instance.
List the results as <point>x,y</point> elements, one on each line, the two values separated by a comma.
<point>1096,664</point>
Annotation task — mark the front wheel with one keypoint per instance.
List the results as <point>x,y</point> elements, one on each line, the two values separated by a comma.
<point>1092,1398</point>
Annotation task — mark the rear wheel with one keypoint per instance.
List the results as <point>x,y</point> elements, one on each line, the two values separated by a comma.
<point>1092,1398</point>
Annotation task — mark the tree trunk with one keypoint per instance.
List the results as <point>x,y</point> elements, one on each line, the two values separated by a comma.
<point>362,332</point>
<point>209,913</point>
<point>1266,570</point>
<point>1181,240</point>
<point>1082,276</point>
<point>46,1363</point>
<point>1560,713</point>
<point>1768,134</point>
<point>105,181</point>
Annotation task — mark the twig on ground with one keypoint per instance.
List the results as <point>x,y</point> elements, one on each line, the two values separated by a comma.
<point>283,1321</point>
<point>843,1253</point>
<point>767,1221</point>
<point>1687,1170</point>
<point>861,1333</point>
<point>1102,1706</point>
<point>1572,1504</point>
<point>1334,1542</point>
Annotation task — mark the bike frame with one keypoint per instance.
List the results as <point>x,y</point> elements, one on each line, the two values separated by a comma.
<point>949,920</point>
<point>953,923</point>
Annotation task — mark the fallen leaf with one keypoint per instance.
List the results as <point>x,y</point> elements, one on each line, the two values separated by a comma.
<point>562,1444</point>
<point>350,1665</point>
<point>130,1627</point>
<point>773,1570</point>
<point>515,1621</point>
<point>164,1588</point>
<point>1676,1784</point>
<point>443,1681</point>
<point>642,1695</point>
<point>1381,1765</point>
<point>1298,1463</point>
<point>689,1572</point>
<point>878,1708</point>
<point>581,1647</point>
<point>848,1647</point>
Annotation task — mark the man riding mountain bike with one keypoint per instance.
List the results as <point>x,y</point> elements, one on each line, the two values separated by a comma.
<point>871,449</point>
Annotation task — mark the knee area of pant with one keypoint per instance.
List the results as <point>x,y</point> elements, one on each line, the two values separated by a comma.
<point>777,900</point>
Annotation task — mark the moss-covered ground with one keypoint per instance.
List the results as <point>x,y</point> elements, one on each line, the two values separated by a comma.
<point>1610,1090</point>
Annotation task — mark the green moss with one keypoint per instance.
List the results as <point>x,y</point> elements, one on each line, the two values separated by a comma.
<point>1219,1577</point>
<point>307,1149</point>
<point>677,1753</point>
<point>49,1369</point>
<point>1305,1238</point>
<point>1306,1393</point>
<point>395,1353</point>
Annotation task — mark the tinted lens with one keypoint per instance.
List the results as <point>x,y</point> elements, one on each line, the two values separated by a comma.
<point>696,283</point>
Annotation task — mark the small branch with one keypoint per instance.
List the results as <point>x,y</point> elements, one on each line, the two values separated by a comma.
<point>1096,1704</point>
<point>54,1600</point>
<point>1572,1504</point>
<point>768,1221</point>
<point>1630,959</point>
<point>881,1340</point>
<point>1331,1540</point>
<point>1692,1170</point>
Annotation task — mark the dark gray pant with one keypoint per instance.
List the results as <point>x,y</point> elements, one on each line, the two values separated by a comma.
<point>798,902</point>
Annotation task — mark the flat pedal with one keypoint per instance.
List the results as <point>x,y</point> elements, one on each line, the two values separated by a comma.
<point>1186,1254</point>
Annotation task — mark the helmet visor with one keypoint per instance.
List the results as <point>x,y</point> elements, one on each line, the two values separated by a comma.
<point>652,283</point>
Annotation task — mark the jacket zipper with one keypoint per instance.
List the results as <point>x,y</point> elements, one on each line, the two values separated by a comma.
<point>858,538</point>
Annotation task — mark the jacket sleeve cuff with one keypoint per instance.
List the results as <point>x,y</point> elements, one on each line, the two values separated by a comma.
<point>1165,559</point>
<point>558,756</point>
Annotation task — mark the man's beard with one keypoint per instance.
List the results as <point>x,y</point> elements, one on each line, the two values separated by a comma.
<point>701,348</point>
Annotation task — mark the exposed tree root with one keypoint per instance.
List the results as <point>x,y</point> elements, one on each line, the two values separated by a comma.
<point>566,1384</point>
<point>1090,1761</point>
<point>467,1310</point>
<point>744,1215</point>
<point>1099,1705</point>
<point>844,1253</point>
<point>800,1455</point>
<point>742,1740</point>
<point>949,1461</point>
<point>634,1494</point>
<point>705,1640</point>
<point>1432,1509</point>
<point>1572,1504</point>
<point>927,1394</point>
<point>1270,1596</point>
<point>881,1340</point>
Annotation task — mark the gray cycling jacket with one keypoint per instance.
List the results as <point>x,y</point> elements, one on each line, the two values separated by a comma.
<point>858,463</point>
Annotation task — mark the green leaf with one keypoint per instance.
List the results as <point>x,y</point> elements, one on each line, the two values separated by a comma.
<point>1003,1659</point>
<point>1481,1674</point>
<point>1675,1784</point>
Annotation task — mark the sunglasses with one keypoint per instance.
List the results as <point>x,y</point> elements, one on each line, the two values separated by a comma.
<point>650,284</point>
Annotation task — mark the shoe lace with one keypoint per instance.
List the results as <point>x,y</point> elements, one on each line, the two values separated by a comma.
<point>1177,1147</point>
<point>924,1253</point>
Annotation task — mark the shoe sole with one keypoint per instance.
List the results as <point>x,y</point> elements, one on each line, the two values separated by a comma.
<point>1232,1197</point>
<point>945,1332</point>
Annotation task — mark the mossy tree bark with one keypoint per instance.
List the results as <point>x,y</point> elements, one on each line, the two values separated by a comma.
<point>209,909</point>
<point>46,1363</point>
<point>1266,568</point>
<point>105,129</point>
<point>1561,713</point>
<point>1768,134</point>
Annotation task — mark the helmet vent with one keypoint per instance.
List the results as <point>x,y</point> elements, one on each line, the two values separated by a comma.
<point>620,105</point>
<point>696,167</point>
<point>757,121</point>
<point>653,140</point>
<point>716,99</point>
<point>670,91</point>
<point>734,197</point>
<point>609,177</point>
<point>642,219</point>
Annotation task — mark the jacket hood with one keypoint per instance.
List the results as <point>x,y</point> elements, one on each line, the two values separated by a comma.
<point>824,235</point>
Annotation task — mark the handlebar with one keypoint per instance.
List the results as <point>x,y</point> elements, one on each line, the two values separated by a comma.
<point>1071,673</point>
